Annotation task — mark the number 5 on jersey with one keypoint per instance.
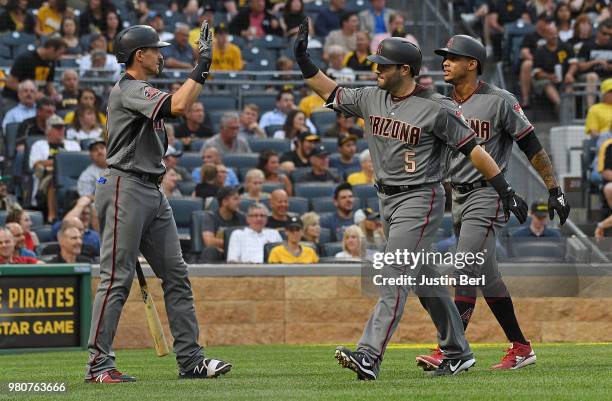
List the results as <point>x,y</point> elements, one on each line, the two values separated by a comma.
<point>410,166</point>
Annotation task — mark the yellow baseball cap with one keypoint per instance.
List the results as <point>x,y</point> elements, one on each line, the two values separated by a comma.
<point>606,86</point>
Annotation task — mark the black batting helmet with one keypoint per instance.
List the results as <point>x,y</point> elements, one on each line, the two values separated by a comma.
<point>133,38</point>
<point>396,50</point>
<point>466,46</point>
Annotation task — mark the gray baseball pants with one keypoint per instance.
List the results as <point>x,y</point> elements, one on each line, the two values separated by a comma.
<point>410,220</point>
<point>135,216</point>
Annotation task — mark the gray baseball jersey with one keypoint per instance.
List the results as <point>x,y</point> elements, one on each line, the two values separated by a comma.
<point>137,140</point>
<point>407,136</point>
<point>496,117</point>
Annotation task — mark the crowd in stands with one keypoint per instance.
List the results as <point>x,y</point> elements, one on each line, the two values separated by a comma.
<point>250,168</point>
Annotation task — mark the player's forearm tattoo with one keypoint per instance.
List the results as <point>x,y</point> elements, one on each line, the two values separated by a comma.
<point>541,162</point>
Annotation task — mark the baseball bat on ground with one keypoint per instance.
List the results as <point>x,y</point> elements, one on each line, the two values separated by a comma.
<point>155,327</point>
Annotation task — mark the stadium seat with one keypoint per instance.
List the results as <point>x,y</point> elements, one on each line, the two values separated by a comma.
<point>244,204</point>
<point>551,249</point>
<point>240,160</point>
<point>266,102</point>
<point>196,144</point>
<point>325,204</point>
<point>237,40</point>
<point>268,248</point>
<point>227,234</point>
<point>331,248</point>
<point>186,187</point>
<point>256,53</point>
<point>362,145</point>
<point>314,190</point>
<point>330,144</point>
<point>315,6</point>
<point>260,64</point>
<point>182,209</point>
<point>37,218</point>
<point>17,40</point>
<point>197,218</point>
<point>270,42</point>
<point>190,160</point>
<point>325,235</point>
<point>280,146</point>
<point>355,5</point>
<point>323,120</point>
<point>271,186</point>
<point>297,205</point>
<point>271,129</point>
<point>10,140</point>
<point>372,202</point>
<point>218,102</point>
<point>364,191</point>
<point>68,168</point>
<point>3,214</point>
<point>298,174</point>
<point>44,234</point>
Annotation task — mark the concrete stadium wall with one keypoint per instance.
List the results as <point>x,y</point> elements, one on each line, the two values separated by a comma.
<point>325,304</point>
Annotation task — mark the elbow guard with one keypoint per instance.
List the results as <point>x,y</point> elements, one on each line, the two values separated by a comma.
<point>530,145</point>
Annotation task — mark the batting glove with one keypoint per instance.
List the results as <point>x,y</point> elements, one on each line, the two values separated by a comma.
<point>205,49</point>
<point>510,200</point>
<point>557,201</point>
<point>300,52</point>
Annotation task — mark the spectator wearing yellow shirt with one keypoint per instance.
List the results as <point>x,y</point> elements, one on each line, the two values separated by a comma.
<point>291,251</point>
<point>87,97</point>
<point>50,16</point>
<point>226,55</point>
<point>366,175</point>
<point>599,117</point>
<point>311,103</point>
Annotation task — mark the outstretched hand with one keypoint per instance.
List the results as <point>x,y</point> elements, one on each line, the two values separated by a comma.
<point>300,47</point>
<point>205,50</point>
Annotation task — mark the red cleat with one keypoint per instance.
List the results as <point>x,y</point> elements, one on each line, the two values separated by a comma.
<point>430,362</point>
<point>111,376</point>
<point>517,356</point>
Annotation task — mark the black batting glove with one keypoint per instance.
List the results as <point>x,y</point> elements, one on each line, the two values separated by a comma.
<point>205,49</point>
<point>300,52</point>
<point>557,201</point>
<point>511,201</point>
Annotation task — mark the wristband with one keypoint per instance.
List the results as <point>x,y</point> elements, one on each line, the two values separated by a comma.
<point>308,68</point>
<point>556,191</point>
<point>500,184</point>
<point>200,73</point>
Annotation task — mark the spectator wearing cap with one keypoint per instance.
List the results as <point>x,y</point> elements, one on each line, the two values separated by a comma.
<point>247,245</point>
<point>595,58</point>
<point>211,156</point>
<point>344,125</point>
<point>376,18</point>
<point>7,201</point>
<point>319,164</point>
<point>195,124</point>
<point>346,36</point>
<point>227,215</point>
<point>347,162</point>
<point>26,108</point>
<point>599,116</point>
<point>255,21</point>
<point>36,65</point>
<point>351,243</point>
<point>328,18</point>
<point>343,217</point>
<point>19,237</point>
<point>71,245</point>
<point>538,226</point>
<point>171,161</point>
<point>298,158</point>
<point>312,231</point>
<point>227,140</point>
<point>7,251</point>
<point>368,221</point>
<point>35,126</point>
<point>70,93</point>
<point>249,126</point>
<point>284,104</point>
<point>291,251</point>
<point>366,175</point>
<point>98,47</point>
<point>269,164</point>
<point>42,155</point>
<point>86,185</point>
<point>253,183</point>
<point>279,203</point>
<point>226,55</point>
<point>179,54</point>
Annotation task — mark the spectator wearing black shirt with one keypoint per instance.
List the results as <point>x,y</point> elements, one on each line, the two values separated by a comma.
<point>293,15</point>
<point>69,32</point>
<point>114,25</point>
<point>71,243</point>
<point>319,163</point>
<point>593,7</point>
<point>7,201</point>
<point>16,18</point>
<point>531,42</point>
<point>255,21</point>
<point>36,125</point>
<point>194,125</point>
<point>279,203</point>
<point>595,58</point>
<point>93,19</point>
<point>583,32</point>
<point>546,62</point>
<point>227,215</point>
<point>502,12</point>
<point>209,185</point>
<point>357,60</point>
<point>328,19</point>
<point>70,94</point>
<point>37,65</point>
<point>345,125</point>
<point>299,157</point>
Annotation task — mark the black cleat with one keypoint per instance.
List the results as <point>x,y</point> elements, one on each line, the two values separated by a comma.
<point>359,362</point>
<point>451,367</point>
<point>207,369</point>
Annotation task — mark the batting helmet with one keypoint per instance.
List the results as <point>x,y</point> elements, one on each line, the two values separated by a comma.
<point>133,38</point>
<point>400,51</point>
<point>466,46</point>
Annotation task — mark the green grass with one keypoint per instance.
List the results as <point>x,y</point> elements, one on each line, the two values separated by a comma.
<point>563,372</point>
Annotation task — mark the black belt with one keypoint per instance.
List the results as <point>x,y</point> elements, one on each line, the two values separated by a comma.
<point>395,189</point>
<point>464,188</point>
<point>152,178</point>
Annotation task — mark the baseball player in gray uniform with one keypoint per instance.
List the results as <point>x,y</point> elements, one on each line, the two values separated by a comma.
<point>496,117</point>
<point>408,129</point>
<point>135,215</point>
